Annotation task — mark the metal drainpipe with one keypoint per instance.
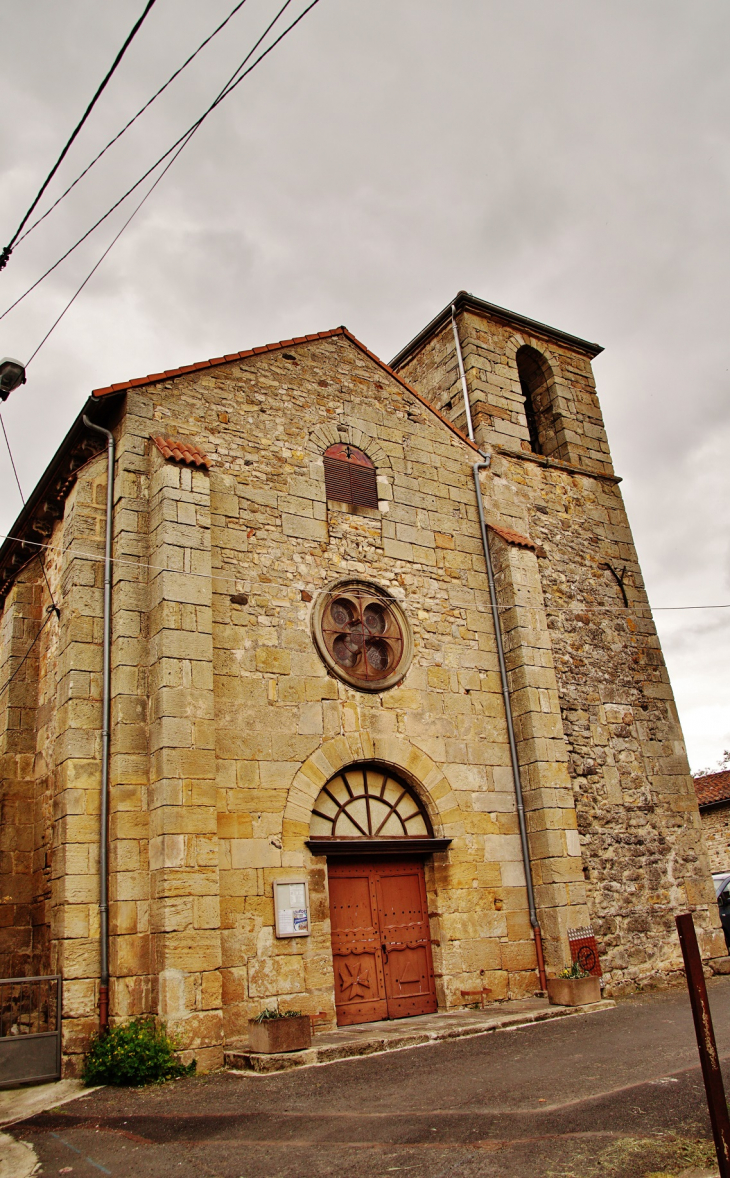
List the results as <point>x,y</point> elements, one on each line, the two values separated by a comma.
<point>105,734</point>
<point>462,374</point>
<point>510,728</point>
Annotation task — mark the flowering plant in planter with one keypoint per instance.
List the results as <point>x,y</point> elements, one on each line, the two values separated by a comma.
<point>273,1031</point>
<point>574,971</point>
<point>574,986</point>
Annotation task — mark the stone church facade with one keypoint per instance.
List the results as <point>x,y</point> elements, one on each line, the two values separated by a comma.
<point>307,718</point>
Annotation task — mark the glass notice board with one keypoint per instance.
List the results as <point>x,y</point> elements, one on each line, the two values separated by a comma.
<point>291,908</point>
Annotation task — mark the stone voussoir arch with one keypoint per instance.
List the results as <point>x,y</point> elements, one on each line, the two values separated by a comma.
<point>418,769</point>
<point>329,434</point>
<point>561,397</point>
<point>522,340</point>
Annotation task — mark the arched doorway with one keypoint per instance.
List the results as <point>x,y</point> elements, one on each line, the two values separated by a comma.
<point>375,832</point>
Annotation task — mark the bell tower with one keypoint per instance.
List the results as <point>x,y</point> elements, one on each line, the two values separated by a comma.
<point>599,742</point>
<point>531,387</point>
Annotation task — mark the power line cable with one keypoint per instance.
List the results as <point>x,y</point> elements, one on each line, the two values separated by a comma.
<point>134,118</point>
<point>112,243</point>
<point>5,255</point>
<point>49,615</point>
<point>186,136</point>
<point>12,460</point>
<point>186,139</point>
<point>54,607</point>
<point>579,607</point>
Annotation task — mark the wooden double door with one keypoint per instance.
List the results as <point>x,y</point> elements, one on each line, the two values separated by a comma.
<point>381,942</point>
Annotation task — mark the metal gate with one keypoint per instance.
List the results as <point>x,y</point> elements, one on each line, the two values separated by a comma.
<point>30,1030</point>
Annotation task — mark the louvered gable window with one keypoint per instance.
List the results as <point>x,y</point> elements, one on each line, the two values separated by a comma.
<point>349,476</point>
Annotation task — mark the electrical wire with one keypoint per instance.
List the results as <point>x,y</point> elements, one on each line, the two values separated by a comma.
<point>5,255</point>
<point>112,243</point>
<point>12,460</point>
<point>54,607</point>
<point>134,118</point>
<point>49,615</point>
<point>140,564</point>
<point>233,81</point>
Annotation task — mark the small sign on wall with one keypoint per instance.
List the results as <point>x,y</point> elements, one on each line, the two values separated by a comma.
<point>291,908</point>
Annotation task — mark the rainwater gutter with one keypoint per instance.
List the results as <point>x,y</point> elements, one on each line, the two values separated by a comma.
<point>537,932</point>
<point>462,374</point>
<point>105,735</point>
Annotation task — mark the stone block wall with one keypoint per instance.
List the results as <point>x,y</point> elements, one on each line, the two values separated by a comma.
<point>76,677</point>
<point>716,835</point>
<point>21,891</point>
<point>226,723</point>
<point>276,543</point>
<point>557,868</point>
<point>489,347</point>
<point>617,729</point>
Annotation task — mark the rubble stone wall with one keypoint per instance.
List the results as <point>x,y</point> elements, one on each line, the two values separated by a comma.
<point>637,814</point>
<point>226,722</point>
<point>275,540</point>
<point>716,835</point>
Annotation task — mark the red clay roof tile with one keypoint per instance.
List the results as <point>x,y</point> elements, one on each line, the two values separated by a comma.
<point>140,381</point>
<point>513,537</point>
<point>181,451</point>
<point>713,787</point>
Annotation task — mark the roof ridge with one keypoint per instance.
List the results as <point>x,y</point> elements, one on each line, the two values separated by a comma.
<point>169,373</point>
<point>201,365</point>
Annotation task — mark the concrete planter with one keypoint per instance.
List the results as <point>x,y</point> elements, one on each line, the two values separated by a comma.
<point>573,991</point>
<point>279,1034</point>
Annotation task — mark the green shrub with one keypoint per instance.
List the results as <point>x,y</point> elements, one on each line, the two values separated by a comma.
<point>140,1052</point>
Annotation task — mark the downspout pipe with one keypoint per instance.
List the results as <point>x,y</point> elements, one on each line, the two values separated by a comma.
<point>462,374</point>
<point>105,735</point>
<point>537,932</point>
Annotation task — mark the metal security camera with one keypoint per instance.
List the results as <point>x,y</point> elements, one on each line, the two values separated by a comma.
<point>12,374</point>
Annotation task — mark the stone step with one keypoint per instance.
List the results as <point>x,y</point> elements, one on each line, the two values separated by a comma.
<point>355,1042</point>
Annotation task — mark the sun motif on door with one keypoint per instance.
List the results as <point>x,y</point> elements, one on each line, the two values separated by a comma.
<point>365,801</point>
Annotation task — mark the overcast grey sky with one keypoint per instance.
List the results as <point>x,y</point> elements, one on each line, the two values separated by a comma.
<point>567,160</point>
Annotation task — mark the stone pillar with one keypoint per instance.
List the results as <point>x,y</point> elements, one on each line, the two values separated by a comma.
<point>132,984</point>
<point>550,809</point>
<point>20,622</point>
<point>185,903</point>
<point>75,885</point>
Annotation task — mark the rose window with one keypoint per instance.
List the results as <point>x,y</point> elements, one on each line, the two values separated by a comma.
<point>363,636</point>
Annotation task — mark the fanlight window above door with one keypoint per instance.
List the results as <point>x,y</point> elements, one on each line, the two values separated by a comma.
<point>368,802</point>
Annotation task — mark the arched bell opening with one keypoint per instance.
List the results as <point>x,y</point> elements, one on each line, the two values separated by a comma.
<point>537,383</point>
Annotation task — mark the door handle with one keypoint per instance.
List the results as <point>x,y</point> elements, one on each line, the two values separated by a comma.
<point>384,947</point>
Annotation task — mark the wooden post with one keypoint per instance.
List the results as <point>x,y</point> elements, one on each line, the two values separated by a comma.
<point>711,1073</point>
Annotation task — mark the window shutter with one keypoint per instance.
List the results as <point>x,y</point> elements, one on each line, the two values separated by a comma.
<point>337,479</point>
<point>350,476</point>
<point>364,486</point>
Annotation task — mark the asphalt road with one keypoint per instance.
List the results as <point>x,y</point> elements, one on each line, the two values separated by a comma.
<point>614,1093</point>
